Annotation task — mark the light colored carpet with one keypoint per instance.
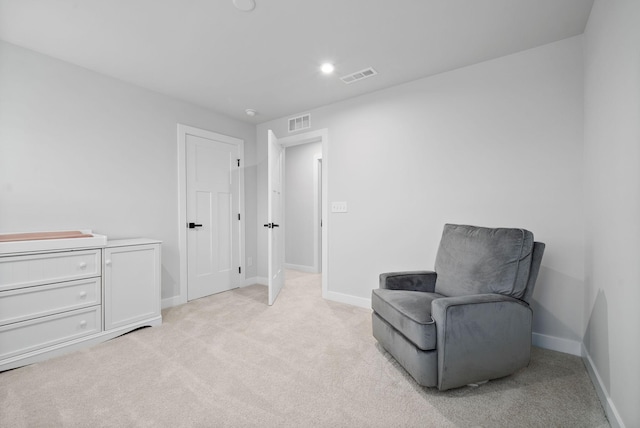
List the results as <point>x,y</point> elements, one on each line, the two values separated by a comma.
<point>229,360</point>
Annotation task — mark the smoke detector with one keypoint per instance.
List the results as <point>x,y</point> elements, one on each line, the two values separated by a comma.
<point>245,5</point>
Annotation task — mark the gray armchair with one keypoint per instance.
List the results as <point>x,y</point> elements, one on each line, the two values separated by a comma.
<point>469,320</point>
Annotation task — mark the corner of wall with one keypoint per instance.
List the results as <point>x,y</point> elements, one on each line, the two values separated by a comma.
<point>609,407</point>
<point>559,344</point>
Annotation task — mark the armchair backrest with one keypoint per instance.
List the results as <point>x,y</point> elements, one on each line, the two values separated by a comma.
<point>536,260</point>
<point>479,260</point>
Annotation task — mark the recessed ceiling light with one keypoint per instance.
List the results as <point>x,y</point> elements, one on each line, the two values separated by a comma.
<point>245,5</point>
<point>327,68</point>
<point>250,112</point>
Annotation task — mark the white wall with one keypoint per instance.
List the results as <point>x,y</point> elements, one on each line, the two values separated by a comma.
<point>612,189</point>
<point>82,150</point>
<point>299,204</point>
<point>494,144</point>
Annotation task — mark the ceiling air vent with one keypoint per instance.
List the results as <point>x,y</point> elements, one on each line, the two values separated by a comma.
<point>300,122</point>
<point>358,75</point>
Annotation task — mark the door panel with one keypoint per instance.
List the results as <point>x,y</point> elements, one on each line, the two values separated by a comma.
<point>223,235</point>
<point>212,186</point>
<point>203,253</point>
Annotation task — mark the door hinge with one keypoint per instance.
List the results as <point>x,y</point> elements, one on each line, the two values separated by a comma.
<point>238,216</point>
<point>238,163</point>
<point>239,269</point>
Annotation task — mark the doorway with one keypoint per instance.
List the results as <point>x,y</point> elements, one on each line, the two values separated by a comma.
<point>303,201</point>
<point>323,220</point>
<point>211,187</point>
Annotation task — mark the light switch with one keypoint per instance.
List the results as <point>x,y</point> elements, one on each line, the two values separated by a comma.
<point>338,207</point>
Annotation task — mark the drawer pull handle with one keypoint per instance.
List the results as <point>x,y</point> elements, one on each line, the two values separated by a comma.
<point>83,294</point>
<point>83,324</point>
<point>83,265</point>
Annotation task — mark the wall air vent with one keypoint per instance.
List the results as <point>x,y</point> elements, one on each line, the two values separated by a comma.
<point>358,75</point>
<point>300,122</point>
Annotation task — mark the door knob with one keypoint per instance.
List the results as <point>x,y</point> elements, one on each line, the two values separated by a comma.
<point>194,225</point>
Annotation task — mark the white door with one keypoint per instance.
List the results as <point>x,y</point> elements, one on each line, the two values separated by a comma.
<point>212,216</point>
<point>275,224</point>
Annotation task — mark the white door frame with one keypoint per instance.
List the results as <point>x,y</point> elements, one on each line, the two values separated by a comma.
<point>183,131</point>
<point>317,215</point>
<point>321,136</point>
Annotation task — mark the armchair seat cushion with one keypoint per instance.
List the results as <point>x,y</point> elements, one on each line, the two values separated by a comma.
<point>409,312</point>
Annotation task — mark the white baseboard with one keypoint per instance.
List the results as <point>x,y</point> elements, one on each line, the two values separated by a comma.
<point>559,344</point>
<point>348,299</point>
<point>253,281</point>
<point>609,408</point>
<point>170,302</point>
<point>301,268</point>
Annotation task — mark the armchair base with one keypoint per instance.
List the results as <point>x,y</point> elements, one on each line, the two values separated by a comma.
<point>421,365</point>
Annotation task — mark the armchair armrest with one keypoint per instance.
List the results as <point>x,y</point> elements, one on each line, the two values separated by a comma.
<point>423,280</point>
<point>480,337</point>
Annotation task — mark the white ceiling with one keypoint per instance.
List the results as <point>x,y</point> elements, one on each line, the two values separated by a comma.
<point>211,54</point>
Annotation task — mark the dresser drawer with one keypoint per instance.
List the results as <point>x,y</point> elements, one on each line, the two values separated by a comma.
<point>38,269</point>
<point>32,302</point>
<point>26,336</point>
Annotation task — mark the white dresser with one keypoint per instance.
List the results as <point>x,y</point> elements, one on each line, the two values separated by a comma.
<point>60,296</point>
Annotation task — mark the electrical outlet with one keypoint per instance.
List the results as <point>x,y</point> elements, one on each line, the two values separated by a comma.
<point>338,207</point>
